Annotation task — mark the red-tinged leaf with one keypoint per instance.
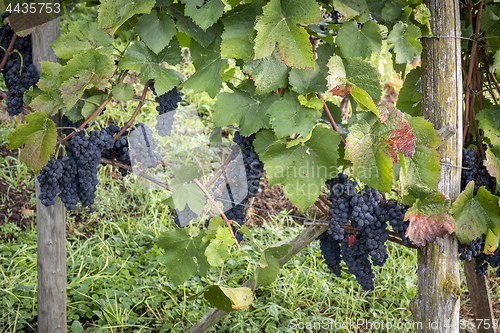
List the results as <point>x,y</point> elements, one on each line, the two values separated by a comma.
<point>341,90</point>
<point>401,137</point>
<point>425,228</point>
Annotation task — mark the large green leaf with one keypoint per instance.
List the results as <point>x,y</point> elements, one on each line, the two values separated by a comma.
<point>476,216</point>
<point>268,269</point>
<point>187,26</point>
<point>113,13</point>
<point>363,75</point>
<point>82,35</point>
<point>409,95</point>
<point>354,42</point>
<point>39,138</point>
<point>149,65</point>
<point>269,73</point>
<point>204,13</point>
<point>190,195</point>
<point>353,8</point>
<point>488,121</point>
<point>239,33</point>
<point>490,20</point>
<point>156,30</point>
<point>307,81</point>
<point>218,249</point>
<point>288,116</point>
<point>48,99</point>
<point>181,250</point>
<point>302,167</point>
<point>406,43</point>
<point>280,27</point>
<point>208,64</point>
<point>243,107</point>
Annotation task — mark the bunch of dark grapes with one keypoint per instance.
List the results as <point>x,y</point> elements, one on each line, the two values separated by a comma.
<point>120,149</point>
<point>166,103</point>
<point>143,147</point>
<point>475,171</point>
<point>76,173</point>
<point>470,250</point>
<point>474,249</point>
<point>395,214</point>
<point>19,72</point>
<point>366,244</point>
<point>253,165</point>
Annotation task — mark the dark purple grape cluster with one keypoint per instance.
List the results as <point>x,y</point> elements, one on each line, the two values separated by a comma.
<point>76,172</point>
<point>19,72</point>
<point>330,249</point>
<point>253,165</point>
<point>395,214</point>
<point>475,171</point>
<point>474,249</point>
<point>342,190</point>
<point>355,252</point>
<point>470,250</point>
<point>120,149</point>
<point>166,103</point>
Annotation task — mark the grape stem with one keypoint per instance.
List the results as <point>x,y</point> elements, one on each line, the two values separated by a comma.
<point>330,118</point>
<point>8,52</point>
<point>96,112</point>
<point>200,185</point>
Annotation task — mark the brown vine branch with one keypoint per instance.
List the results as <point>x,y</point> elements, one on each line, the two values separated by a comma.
<point>321,208</point>
<point>200,185</point>
<point>330,118</point>
<point>8,52</point>
<point>136,112</point>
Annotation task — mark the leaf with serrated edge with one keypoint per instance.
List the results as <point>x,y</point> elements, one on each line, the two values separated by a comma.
<point>156,30</point>
<point>303,168</point>
<point>204,13</point>
<point>488,121</point>
<point>405,40</point>
<point>306,81</point>
<point>288,116</point>
<point>185,25</point>
<point>354,42</point>
<point>268,267</point>
<point>123,92</point>
<point>113,13</point>
<point>250,112</point>
<point>352,8</point>
<point>401,136</point>
<point>409,95</point>
<point>39,138</point>
<point>476,215</point>
<point>190,195</point>
<point>268,73</point>
<point>280,27</point>
<point>263,139</point>
<point>336,72</point>
<point>181,249</point>
<point>239,33</point>
<point>82,35</point>
<point>365,76</point>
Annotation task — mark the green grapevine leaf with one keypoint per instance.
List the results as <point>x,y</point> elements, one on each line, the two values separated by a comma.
<point>363,75</point>
<point>352,8</point>
<point>228,299</point>
<point>187,26</point>
<point>422,15</point>
<point>82,35</point>
<point>337,76</point>
<point>488,121</point>
<point>269,73</point>
<point>268,268</point>
<point>86,70</point>
<point>190,195</point>
<point>239,33</point>
<point>91,104</point>
<point>49,76</point>
<point>181,249</point>
<point>409,95</point>
<point>156,30</point>
<point>208,64</point>
<point>288,116</point>
<point>406,43</point>
<point>280,28</point>
<point>244,108</point>
<point>363,100</point>
<point>204,13</point>
<point>39,138</point>
<point>393,10</point>
<point>303,168</point>
<point>477,215</point>
<point>140,58</point>
<point>359,43</point>
<point>113,13</point>
<point>218,250</point>
<point>49,102</point>
<point>490,20</point>
<point>123,92</point>
<point>493,166</point>
<point>308,81</point>
<point>263,139</point>
<point>49,99</point>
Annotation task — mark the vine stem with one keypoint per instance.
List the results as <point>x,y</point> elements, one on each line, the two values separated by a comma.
<point>8,52</point>
<point>330,118</point>
<point>96,112</point>
<point>200,185</point>
<point>136,112</point>
<point>221,271</point>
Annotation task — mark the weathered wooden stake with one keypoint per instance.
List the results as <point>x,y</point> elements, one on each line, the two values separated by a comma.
<point>436,306</point>
<point>51,221</point>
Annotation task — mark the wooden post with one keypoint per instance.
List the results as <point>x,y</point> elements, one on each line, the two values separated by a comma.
<point>51,221</point>
<point>436,306</point>
<point>479,295</point>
